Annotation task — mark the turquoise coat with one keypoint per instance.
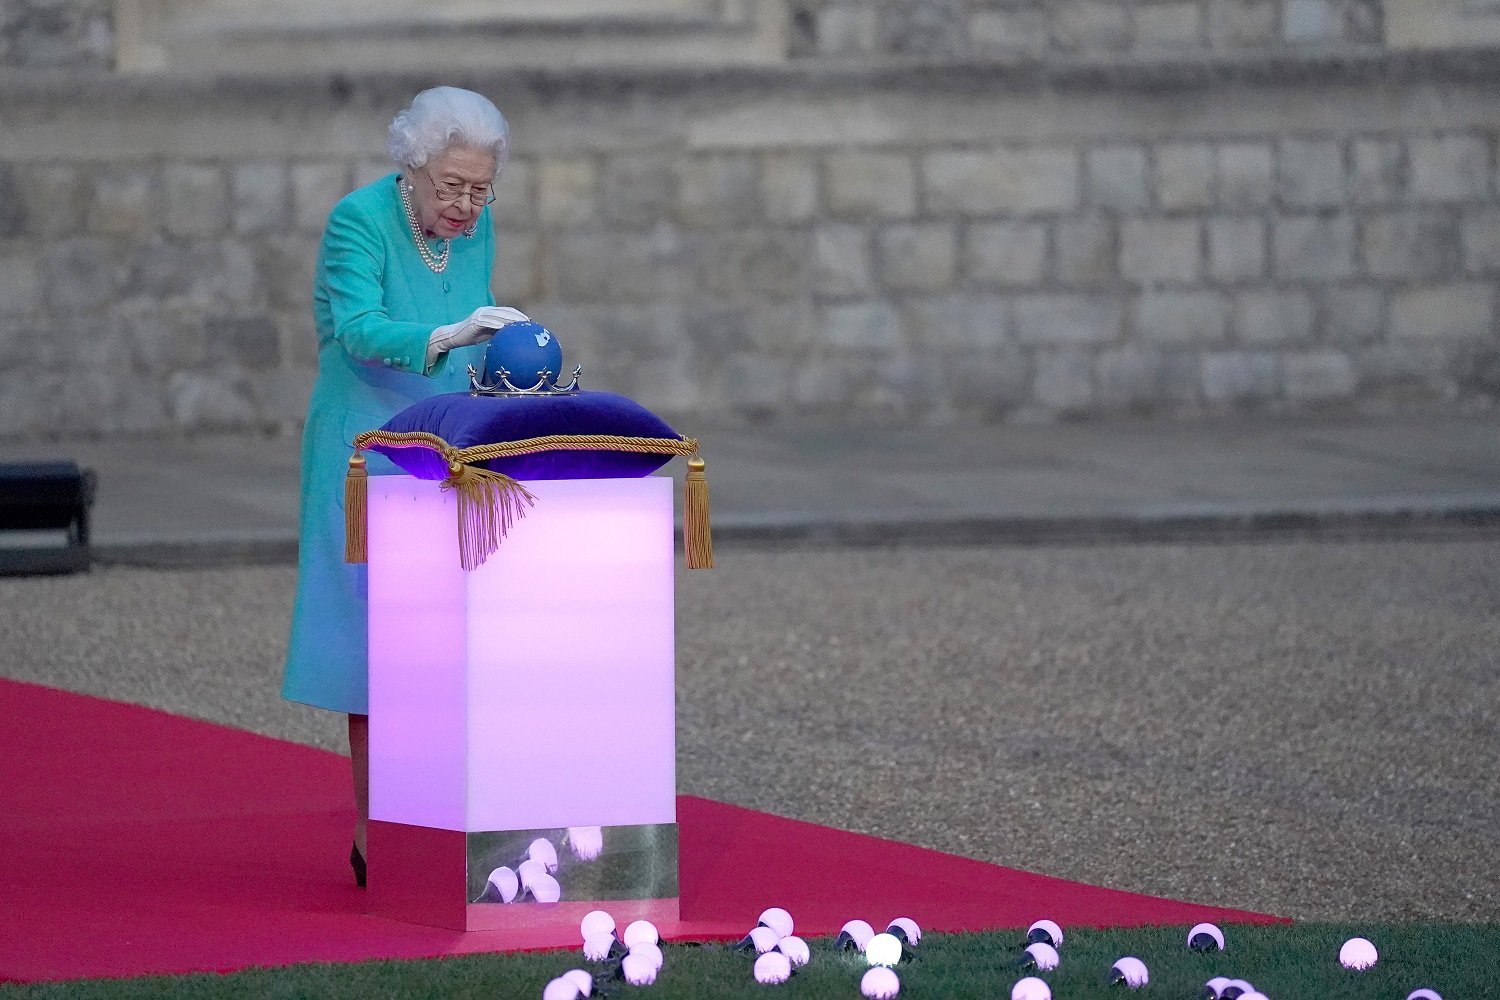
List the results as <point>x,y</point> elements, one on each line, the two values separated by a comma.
<point>375,304</point>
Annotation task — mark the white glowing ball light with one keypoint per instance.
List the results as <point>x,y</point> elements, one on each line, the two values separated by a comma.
<point>1045,931</point>
<point>1423,994</point>
<point>640,930</point>
<point>598,947</point>
<point>586,842</point>
<point>1031,988</point>
<point>760,939</point>
<point>883,949</point>
<point>795,949</point>
<point>506,883</point>
<point>596,922</point>
<point>1205,937</point>
<point>778,920</point>
<point>650,952</point>
<point>582,979</point>
<point>561,988</point>
<point>1216,986</point>
<point>906,929</point>
<point>638,970</point>
<point>541,849</point>
<point>545,889</point>
<point>1043,956</point>
<point>1131,971</point>
<point>529,871</point>
<point>1254,995</point>
<point>1358,953</point>
<point>773,967</point>
<point>880,983</point>
<point>855,932</point>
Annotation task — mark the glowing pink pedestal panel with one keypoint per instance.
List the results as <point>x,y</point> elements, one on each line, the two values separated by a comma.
<point>530,698</point>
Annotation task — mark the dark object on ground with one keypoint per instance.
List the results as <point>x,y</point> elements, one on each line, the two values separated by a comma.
<point>39,500</point>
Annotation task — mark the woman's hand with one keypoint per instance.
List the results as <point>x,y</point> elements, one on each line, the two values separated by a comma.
<point>479,327</point>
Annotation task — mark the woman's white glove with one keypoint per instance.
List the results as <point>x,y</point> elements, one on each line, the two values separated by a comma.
<point>476,329</point>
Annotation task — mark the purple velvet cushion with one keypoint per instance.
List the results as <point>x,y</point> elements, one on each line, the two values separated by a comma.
<point>466,421</point>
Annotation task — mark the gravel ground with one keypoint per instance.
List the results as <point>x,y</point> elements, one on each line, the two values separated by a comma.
<point>1303,729</point>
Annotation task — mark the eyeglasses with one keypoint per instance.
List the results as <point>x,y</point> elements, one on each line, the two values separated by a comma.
<point>480,195</point>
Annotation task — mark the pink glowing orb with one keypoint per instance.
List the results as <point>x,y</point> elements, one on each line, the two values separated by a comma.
<point>778,920</point>
<point>763,938</point>
<point>1423,994</point>
<point>859,932</point>
<point>560,988</point>
<point>582,979</point>
<point>586,842</point>
<point>1254,995</point>
<point>640,930</point>
<point>1217,984</point>
<point>772,967</point>
<point>1131,971</point>
<point>528,871</point>
<point>795,949</point>
<point>505,882</point>
<point>910,931</point>
<point>1201,935</point>
<point>1357,953</point>
<point>1044,955</point>
<point>596,948</point>
<point>1031,988</point>
<point>883,949</point>
<point>541,849</point>
<point>650,952</point>
<point>596,922</point>
<point>638,970</point>
<point>880,983</point>
<point>1050,928</point>
<point>545,889</point>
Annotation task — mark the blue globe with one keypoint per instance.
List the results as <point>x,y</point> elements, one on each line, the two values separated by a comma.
<point>525,350</point>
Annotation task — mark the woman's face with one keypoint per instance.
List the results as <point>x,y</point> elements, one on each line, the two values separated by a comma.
<point>461,170</point>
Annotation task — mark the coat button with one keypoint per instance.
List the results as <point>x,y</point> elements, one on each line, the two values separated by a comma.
<point>386,362</point>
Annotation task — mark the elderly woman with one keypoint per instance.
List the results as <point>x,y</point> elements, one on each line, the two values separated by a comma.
<point>402,301</point>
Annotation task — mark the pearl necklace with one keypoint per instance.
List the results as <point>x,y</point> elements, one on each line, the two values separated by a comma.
<point>435,262</point>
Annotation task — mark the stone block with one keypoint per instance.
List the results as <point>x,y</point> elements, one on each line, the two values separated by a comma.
<point>1026,180</point>
<point>843,263</point>
<point>1241,377</point>
<point>1067,319</point>
<point>259,197</point>
<point>1353,314</point>
<point>640,189</point>
<point>862,326</point>
<point>633,266</point>
<point>1246,175</point>
<point>1154,250</point>
<point>917,256</point>
<point>789,187</point>
<point>20,282</point>
<point>125,202</point>
<point>1236,248</point>
<point>1090,25</point>
<point>366,170</point>
<point>787,328</point>
<point>566,191</point>
<point>286,266</point>
<point>316,188</point>
<point>517,275</point>
<point>196,199</point>
<point>1235,24</point>
<point>873,185</point>
<point>1116,178</point>
<point>751,264</point>
<point>1480,234</point>
<point>754,385</point>
<point>1462,310</point>
<point>847,29</point>
<point>1274,316</point>
<point>1379,171</point>
<point>1010,254</point>
<point>218,400</point>
<point>1063,381</point>
<point>716,190</point>
<point>82,274</point>
<point>1184,175</point>
<point>516,200</point>
<point>1450,168</point>
<point>251,342</point>
<point>12,203</point>
<point>1199,317</point>
<point>1130,377</point>
<point>1310,173</point>
<point>1412,243</point>
<point>1023,30</point>
<point>1085,252</point>
<point>50,198</point>
<point>1169,25</point>
<point>958,323</point>
<point>1309,20</point>
<point>1318,376</point>
<point>988,385</point>
<point>1317,248</point>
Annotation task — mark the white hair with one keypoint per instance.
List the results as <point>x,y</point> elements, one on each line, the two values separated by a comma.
<point>442,118</point>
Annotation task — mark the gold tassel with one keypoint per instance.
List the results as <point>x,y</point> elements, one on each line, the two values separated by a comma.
<point>697,540</point>
<point>356,504</point>
<point>488,504</point>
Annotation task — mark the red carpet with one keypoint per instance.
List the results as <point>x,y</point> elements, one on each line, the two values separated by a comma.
<point>139,843</point>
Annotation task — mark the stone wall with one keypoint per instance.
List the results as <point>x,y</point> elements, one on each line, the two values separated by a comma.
<point>52,33</point>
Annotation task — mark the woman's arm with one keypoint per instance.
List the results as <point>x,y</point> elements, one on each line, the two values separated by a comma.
<point>353,274</point>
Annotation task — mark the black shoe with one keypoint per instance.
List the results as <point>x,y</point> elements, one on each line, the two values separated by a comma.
<point>357,862</point>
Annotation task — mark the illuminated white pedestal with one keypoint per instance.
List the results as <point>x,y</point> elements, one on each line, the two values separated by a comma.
<point>532,695</point>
